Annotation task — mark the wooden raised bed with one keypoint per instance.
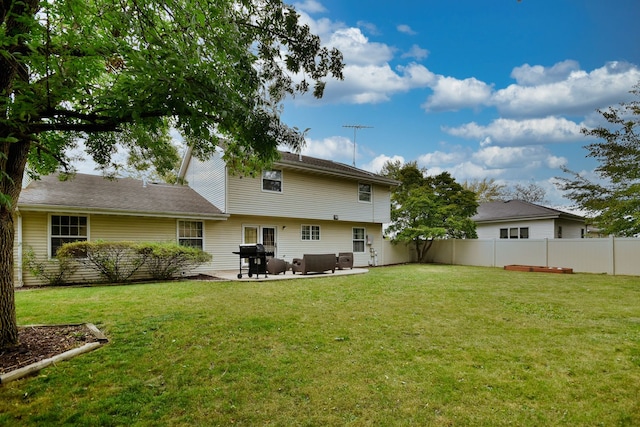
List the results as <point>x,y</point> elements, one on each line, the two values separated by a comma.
<point>539,269</point>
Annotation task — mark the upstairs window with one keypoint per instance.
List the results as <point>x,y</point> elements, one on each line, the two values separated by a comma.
<point>364,192</point>
<point>67,229</point>
<point>310,232</point>
<point>191,233</point>
<point>272,181</point>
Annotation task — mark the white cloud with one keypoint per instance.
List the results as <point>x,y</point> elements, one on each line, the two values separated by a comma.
<point>521,132</point>
<point>369,27</point>
<point>336,148</point>
<point>416,52</point>
<point>310,6</point>
<point>451,94</point>
<point>357,49</point>
<point>531,157</point>
<point>439,158</point>
<point>578,93</point>
<point>405,29</point>
<point>378,162</point>
<point>370,84</point>
<point>528,75</point>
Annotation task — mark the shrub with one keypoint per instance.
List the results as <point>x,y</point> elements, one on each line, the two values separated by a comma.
<point>115,261</point>
<point>55,271</point>
<point>164,260</point>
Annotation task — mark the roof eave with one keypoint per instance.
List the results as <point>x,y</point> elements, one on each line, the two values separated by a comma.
<point>327,171</point>
<point>121,212</point>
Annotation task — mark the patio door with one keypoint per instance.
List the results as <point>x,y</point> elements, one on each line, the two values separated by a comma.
<point>265,235</point>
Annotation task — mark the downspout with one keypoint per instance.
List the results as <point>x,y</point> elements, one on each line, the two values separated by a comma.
<point>18,244</point>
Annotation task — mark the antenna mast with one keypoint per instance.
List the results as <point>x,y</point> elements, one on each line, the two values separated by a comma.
<point>355,129</point>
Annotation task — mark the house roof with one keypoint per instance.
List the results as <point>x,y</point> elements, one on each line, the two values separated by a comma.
<point>314,165</point>
<point>518,210</point>
<point>330,167</point>
<point>128,196</point>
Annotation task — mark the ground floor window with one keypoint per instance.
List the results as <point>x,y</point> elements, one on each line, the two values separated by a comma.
<point>358,239</point>
<point>514,233</point>
<point>310,232</point>
<point>191,233</point>
<point>67,229</point>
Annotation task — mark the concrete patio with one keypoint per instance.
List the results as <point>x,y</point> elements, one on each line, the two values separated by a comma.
<point>288,275</point>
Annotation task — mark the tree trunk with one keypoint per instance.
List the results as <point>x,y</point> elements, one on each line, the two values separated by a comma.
<point>10,185</point>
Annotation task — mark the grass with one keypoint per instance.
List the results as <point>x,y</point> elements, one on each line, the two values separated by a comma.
<point>399,346</point>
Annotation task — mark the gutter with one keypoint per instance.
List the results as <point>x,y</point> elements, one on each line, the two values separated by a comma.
<point>85,210</point>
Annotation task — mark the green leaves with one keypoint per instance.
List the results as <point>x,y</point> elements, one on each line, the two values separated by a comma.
<point>214,68</point>
<point>425,208</point>
<point>613,197</point>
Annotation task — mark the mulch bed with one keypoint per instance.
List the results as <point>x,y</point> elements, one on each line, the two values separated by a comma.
<point>37,343</point>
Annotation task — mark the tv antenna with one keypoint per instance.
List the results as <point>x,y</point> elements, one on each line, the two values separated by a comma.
<point>355,129</point>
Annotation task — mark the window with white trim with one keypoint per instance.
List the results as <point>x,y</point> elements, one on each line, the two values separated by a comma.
<point>364,192</point>
<point>310,232</point>
<point>67,229</point>
<point>514,233</point>
<point>358,238</point>
<point>191,233</point>
<point>272,181</point>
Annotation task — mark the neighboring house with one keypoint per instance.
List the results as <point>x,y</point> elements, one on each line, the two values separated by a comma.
<point>303,205</point>
<point>517,219</point>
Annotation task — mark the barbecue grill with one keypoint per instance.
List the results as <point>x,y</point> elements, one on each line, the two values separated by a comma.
<point>257,257</point>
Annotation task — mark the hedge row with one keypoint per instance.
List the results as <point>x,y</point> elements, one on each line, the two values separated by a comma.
<point>117,262</point>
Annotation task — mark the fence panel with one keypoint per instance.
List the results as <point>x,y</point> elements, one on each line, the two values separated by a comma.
<point>607,255</point>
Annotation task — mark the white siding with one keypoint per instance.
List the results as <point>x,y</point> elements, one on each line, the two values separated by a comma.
<point>209,180</point>
<point>306,195</point>
<point>538,229</point>
<point>335,236</point>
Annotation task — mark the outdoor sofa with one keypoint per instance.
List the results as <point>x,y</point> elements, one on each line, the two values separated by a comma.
<point>316,263</point>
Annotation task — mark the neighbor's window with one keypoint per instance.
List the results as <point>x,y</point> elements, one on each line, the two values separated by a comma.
<point>358,239</point>
<point>310,232</point>
<point>191,233</point>
<point>364,192</point>
<point>560,232</point>
<point>67,229</point>
<point>514,233</point>
<point>272,181</point>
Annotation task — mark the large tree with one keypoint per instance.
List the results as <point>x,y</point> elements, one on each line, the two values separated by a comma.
<point>120,74</point>
<point>486,190</point>
<point>425,208</point>
<point>613,197</point>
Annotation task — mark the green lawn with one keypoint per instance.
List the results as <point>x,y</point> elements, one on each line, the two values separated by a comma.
<point>408,345</point>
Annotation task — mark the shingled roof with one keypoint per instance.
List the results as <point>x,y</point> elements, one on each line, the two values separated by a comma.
<point>123,195</point>
<point>517,210</point>
<point>330,167</point>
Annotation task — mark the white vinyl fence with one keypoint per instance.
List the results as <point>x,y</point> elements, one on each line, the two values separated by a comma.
<point>615,256</point>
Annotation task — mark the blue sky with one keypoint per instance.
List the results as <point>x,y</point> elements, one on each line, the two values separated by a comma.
<point>483,89</point>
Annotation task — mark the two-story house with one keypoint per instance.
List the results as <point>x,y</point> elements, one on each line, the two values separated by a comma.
<point>517,219</point>
<point>302,205</point>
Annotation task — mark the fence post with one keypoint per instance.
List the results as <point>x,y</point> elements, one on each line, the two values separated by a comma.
<point>612,254</point>
<point>546,252</point>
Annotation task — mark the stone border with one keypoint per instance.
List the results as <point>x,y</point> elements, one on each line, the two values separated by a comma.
<point>37,366</point>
